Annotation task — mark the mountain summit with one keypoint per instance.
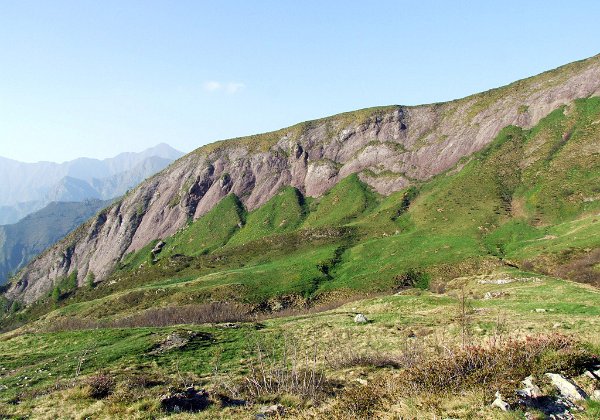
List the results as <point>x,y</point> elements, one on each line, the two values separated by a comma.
<point>384,149</point>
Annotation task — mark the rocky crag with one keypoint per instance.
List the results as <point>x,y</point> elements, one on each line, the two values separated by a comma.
<point>388,147</point>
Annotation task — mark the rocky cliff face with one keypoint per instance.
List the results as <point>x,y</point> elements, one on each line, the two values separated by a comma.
<point>388,147</point>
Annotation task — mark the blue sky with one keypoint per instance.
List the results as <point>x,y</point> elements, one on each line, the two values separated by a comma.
<point>95,78</point>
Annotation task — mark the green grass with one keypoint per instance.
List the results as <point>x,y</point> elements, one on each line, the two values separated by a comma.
<point>344,203</point>
<point>282,213</point>
<point>530,199</point>
<point>209,232</point>
<point>509,201</point>
<point>41,366</point>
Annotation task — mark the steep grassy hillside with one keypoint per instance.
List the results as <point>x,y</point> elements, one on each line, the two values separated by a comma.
<point>530,200</point>
<point>387,149</point>
<point>466,263</point>
<point>282,213</point>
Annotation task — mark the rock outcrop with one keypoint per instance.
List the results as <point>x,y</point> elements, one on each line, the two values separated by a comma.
<point>389,148</point>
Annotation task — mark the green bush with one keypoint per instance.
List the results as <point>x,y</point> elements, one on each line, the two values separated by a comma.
<point>413,277</point>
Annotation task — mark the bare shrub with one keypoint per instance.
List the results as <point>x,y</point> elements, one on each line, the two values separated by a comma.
<point>411,352</point>
<point>286,367</point>
<point>502,365</point>
<point>100,386</point>
<point>491,366</point>
<point>360,401</point>
<point>215,312</point>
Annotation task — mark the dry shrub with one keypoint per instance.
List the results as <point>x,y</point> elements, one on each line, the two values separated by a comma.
<point>495,366</point>
<point>499,366</point>
<point>286,367</point>
<point>215,312</point>
<point>72,324</point>
<point>360,401</point>
<point>100,386</point>
<point>409,354</point>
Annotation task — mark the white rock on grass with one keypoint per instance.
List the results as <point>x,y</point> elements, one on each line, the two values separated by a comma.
<point>596,395</point>
<point>500,403</point>
<point>593,373</point>
<point>531,390</point>
<point>567,388</point>
<point>360,319</point>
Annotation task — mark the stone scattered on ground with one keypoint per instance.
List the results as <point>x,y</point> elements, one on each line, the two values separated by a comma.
<point>531,399</point>
<point>567,388</point>
<point>493,295</point>
<point>500,403</point>
<point>190,400</point>
<point>232,325</point>
<point>270,410</point>
<point>178,339</point>
<point>593,373</point>
<point>530,390</point>
<point>509,280</point>
<point>360,319</point>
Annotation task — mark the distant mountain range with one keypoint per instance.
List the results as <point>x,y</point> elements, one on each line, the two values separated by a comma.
<point>28,187</point>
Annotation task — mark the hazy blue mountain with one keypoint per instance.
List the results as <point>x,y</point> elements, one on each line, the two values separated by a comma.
<point>24,240</point>
<point>11,214</point>
<point>28,187</point>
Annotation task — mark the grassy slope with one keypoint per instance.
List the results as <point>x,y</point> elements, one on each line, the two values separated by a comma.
<point>532,195</point>
<point>40,368</point>
<point>209,232</point>
<point>345,202</point>
<point>280,214</point>
<point>509,201</point>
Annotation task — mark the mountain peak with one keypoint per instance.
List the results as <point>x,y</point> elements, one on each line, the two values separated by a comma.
<point>387,148</point>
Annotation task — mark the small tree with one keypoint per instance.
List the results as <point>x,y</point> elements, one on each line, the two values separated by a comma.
<point>90,279</point>
<point>56,294</point>
<point>15,307</point>
<point>4,305</point>
<point>71,281</point>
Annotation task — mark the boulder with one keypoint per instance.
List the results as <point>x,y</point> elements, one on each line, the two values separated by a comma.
<point>530,390</point>
<point>270,410</point>
<point>596,395</point>
<point>360,319</point>
<point>190,400</point>
<point>500,403</point>
<point>567,388</point>
<point>158,247</point>
<point>593,373</point>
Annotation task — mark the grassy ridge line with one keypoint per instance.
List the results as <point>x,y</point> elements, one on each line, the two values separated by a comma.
<point>496,206</point>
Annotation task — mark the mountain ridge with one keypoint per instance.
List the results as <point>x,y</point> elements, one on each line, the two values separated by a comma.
<point>31,186</point>
<point>388,148</point>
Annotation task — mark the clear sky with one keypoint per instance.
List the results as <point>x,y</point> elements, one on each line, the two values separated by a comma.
<point>95,78</point>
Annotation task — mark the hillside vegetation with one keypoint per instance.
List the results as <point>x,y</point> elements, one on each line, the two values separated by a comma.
<point>494,263</point>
